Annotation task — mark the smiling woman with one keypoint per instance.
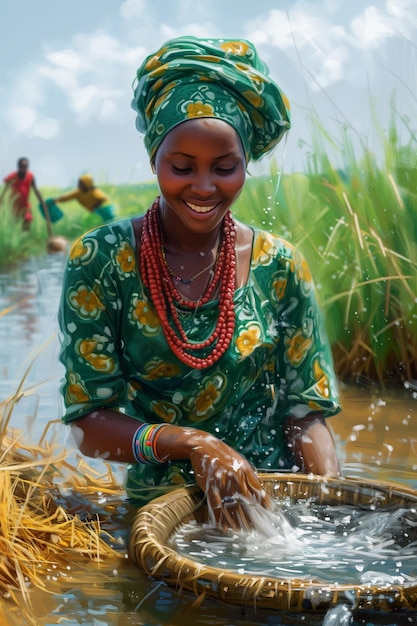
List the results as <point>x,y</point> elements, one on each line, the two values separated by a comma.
<point>193,344</point>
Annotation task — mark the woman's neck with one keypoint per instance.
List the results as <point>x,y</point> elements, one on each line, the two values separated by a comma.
<point>178,240</point>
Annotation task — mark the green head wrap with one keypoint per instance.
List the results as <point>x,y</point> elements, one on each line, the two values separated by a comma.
<point>190,78</point>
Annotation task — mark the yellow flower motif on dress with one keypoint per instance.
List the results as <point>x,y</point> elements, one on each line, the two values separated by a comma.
<point>263,249</point>
<point>85,302</point>
<point>204,402</point>
<point>301,268</point>
<point>133,387</point>
<point>142,314</point>
<point>174,476</point>
<point>248,340</point>
<point>297,347</point>
<point>167,412</point>
<point>157,369</point>
<point>77,249</point>
<point>235,47</point>
<point>199,109</point>
<point>322,382</point>
<point>201,405</point>
<point>314,406</point>
<point>82,250</point>
<point>125,258</point>
<point>279,286</point>
<point>206,399</point>
<point>88,350</point>
<point>76,392</point>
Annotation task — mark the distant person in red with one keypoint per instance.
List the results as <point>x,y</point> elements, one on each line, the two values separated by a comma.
<point>19,184</point>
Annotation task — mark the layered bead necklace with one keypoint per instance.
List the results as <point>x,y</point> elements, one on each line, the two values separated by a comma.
<point>156,276</point>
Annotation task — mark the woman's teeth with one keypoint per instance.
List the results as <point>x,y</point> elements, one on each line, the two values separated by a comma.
<point>200,209</point>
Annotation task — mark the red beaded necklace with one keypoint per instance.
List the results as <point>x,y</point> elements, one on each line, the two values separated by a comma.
<point>164,295</point>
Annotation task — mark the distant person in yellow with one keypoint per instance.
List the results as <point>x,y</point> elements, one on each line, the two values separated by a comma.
<point>90,197</point>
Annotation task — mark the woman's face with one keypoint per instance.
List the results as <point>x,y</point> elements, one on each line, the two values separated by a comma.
<point>201,168</point>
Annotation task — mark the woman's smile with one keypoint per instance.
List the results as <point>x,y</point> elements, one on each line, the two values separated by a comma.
<point>199,208</point>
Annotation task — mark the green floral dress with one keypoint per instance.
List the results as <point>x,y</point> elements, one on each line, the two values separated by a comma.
<point>115,354</point>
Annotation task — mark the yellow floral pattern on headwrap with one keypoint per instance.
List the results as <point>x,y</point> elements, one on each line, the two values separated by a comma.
<point>199,109</point>
<point>242,92</point>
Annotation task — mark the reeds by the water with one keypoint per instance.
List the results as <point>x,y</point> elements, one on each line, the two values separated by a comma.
<point>40,538</point>
<point>357,226</point>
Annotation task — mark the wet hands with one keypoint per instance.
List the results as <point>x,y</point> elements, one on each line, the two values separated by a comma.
<point>229,481</point>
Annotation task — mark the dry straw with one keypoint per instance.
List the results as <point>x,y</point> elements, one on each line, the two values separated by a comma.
<point>37,535</point>
<point>155,524</point>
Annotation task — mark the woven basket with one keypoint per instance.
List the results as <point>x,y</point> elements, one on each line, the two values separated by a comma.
<point>156,522</point>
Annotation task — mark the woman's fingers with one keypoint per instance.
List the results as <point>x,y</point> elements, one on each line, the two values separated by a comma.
<point>229,482</point>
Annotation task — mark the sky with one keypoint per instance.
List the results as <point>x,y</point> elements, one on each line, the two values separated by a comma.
<point>66,73</point>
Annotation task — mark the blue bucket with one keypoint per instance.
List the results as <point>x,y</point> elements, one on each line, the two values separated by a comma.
<point>54,211</point>
<point>106,212</point>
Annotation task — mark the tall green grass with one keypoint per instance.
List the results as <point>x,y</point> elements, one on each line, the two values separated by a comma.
<point>357,226</point>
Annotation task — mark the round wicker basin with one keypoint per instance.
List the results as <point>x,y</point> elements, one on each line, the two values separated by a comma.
<point>156,522</point>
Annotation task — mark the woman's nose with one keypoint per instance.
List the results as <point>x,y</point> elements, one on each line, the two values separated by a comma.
<point>203,183</point>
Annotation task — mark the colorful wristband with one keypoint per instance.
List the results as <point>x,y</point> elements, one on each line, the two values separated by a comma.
<point>144,443</point>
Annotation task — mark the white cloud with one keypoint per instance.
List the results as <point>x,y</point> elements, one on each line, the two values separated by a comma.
<point>21,118</point>
<point>92,76</point>
<point>108,110</point>
<point>197,30</point>
<point>131,9</point>
<point>69,59</point>
<point>25,120</point>
<point>82,98</point>
<point>47,128</point>
<point>371,27</point>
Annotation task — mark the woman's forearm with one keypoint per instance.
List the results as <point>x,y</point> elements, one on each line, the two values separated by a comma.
<point>312,445</point>
<point>109,434</point>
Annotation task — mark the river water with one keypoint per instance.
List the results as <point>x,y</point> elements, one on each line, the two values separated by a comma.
<point>375,434</point>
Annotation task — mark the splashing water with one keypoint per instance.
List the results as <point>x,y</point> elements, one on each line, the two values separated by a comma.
<point>306,540</point>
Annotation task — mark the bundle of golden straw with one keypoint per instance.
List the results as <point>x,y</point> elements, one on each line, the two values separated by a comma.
<point>36,533</point>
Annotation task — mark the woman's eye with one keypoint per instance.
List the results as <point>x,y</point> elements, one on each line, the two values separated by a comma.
<point>181,170</point>
<point>224,171</point>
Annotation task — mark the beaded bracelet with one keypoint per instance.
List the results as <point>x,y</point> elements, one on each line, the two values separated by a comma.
<point>144,443</point>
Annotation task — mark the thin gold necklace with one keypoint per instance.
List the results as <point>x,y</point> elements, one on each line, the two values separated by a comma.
<point>187,281</point>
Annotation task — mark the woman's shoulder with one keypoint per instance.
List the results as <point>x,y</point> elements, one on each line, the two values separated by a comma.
<point>108,242</point>
<point>110,233</point>
<point>271,246</point>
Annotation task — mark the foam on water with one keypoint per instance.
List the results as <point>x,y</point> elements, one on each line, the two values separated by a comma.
<point>340,544</point>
